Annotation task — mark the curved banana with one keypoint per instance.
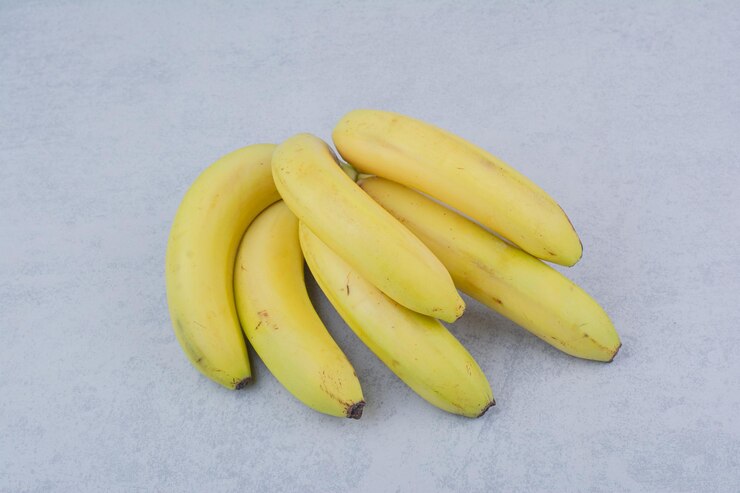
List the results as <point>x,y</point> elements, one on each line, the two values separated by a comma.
<point>373,242</point>
<point>510,281</point>
<point>282,325</point>
<point>417,348</point>
<point>460,174</point>
<point>205,234</point>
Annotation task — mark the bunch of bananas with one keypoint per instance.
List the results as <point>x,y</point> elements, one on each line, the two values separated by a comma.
<point>389,258</point>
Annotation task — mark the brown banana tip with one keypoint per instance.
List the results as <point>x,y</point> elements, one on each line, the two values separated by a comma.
<point>355,410</point>
<point>488,406</point>
<point>240,385</point>
<point>615,353</point>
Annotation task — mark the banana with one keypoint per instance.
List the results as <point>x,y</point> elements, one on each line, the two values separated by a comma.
<point>282,325</point>
<point>417,348</point>
<point>209,223</point>
<point>460,174</point>
<point>508,280</point>
<point>313,185</point>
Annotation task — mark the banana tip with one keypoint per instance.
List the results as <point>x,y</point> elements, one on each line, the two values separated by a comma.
<point>460,309</point>
<point>243,383</point>
<point>485,409</point>
<point>615,352</point>
<point>450,318</point>
<point>355,410</point>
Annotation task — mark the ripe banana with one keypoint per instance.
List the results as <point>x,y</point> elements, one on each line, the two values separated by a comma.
<point>313,185</point>
<point>205,234</point>
<point>417,348</point>
<point>282,325</point>
<point>510,281</point>
<point>460,174</point>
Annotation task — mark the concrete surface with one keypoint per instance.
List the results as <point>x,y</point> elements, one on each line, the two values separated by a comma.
<point>628,113</point>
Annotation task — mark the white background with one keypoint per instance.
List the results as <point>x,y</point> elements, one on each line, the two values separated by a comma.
<point>628,113</point>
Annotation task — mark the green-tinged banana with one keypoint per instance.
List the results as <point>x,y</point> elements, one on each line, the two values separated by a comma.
<point>317,190</point>
<point>282,325</point>
<point>209,224</point>
<point>510,281</point>
<point>460,174</point>
<point>417,348</point>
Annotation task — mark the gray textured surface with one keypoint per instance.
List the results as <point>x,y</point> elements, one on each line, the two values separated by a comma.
<point>628,114</point>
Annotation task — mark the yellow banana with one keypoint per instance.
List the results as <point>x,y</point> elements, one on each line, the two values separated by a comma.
<point>282,325</point>
<point>460,174</point>
<point>417,348</point>
<point>510,281</point>
<point>313,185</point>
<point>208,226</point>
